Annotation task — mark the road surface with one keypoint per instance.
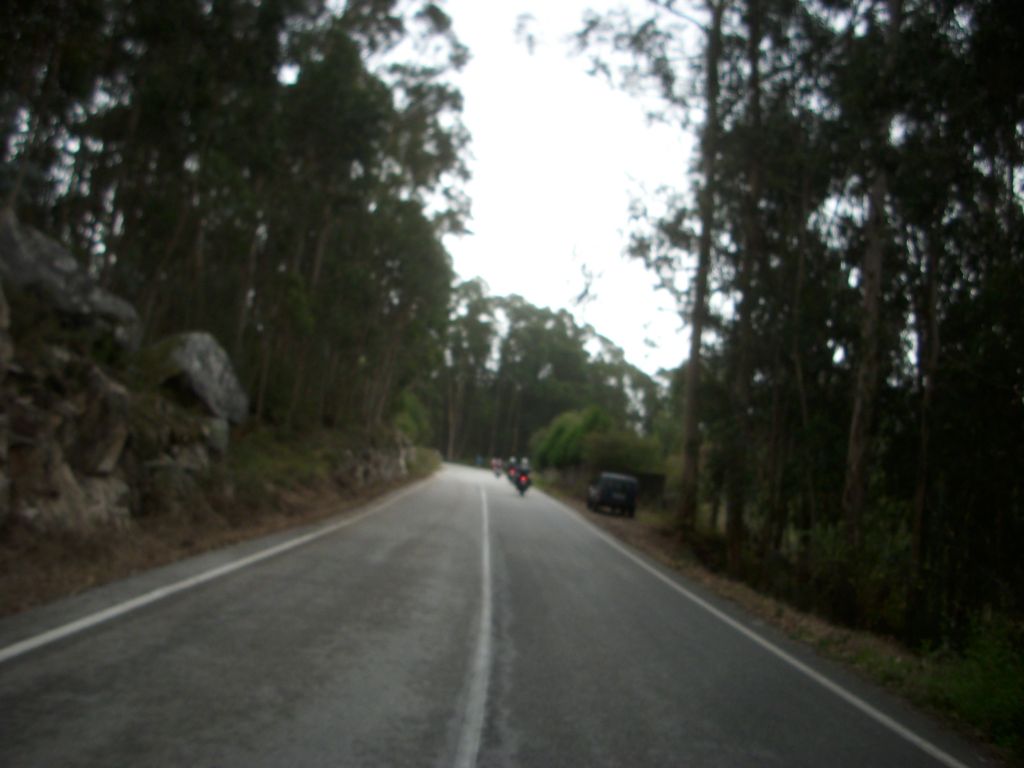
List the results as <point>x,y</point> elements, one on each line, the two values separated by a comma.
<point>450,624</point>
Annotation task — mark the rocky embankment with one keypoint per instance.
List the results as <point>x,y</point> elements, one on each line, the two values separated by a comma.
<point>98,430</point>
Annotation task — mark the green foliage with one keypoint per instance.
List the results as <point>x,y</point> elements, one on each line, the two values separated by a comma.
<point>985,684</point>
<point>862,436</point>
<point>246,170</point>
<point>561,443</point>
<point>297,304</point>
<point>672,466</point>
<point>266,458</point>
<point>870,583</point>
<point>152,365</point>
<point>37,326</point>
<point>622,451</point>
<point>980,684</point>
<point>510,369</point>
<point>156,422</point>
<point>412,418</point>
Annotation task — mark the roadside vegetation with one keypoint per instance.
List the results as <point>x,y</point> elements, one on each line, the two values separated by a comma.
<point>270,482</point>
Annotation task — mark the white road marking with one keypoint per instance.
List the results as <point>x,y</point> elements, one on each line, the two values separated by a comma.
<point>58,633</point>
<point>480,672</point>
<point>921,743</point>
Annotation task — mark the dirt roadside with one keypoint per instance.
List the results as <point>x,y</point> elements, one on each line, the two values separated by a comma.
<point>36,569</point>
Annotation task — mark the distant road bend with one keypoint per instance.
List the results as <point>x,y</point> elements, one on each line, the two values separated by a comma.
<point>450,624</point>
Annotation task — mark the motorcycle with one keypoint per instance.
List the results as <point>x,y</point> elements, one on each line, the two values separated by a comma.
<point>522,482</point>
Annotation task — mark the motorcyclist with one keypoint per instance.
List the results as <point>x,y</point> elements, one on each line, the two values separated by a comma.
<point>522,479</point>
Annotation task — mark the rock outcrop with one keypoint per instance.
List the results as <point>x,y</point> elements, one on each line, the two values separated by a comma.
<point>79,448</point>
<point>197,364</point>
<point>375,464</point>
<point>67,431</point>
<point>30,260</point>
<point>83,451</point>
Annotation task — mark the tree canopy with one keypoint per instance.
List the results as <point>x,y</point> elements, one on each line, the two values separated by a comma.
<point>855,365</point>
<point>274,172</point>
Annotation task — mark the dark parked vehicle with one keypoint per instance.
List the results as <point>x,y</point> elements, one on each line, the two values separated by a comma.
<point>614,492</point>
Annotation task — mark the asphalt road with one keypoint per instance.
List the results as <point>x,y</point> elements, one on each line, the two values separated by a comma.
<point>451,624</point>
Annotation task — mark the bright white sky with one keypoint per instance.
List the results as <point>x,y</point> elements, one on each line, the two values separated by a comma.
<point>556,155</point>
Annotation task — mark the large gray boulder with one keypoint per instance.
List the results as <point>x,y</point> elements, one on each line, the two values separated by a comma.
<point>31,260</point>
<point>198,363</point>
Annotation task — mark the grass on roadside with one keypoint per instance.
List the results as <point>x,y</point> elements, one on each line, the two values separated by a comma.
<point>424,461</point>
<point>264,459</point>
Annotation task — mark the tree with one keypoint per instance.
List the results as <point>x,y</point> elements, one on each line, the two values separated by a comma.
<point>865,238</point>
<point>648,43</point>
<point>262,170</point>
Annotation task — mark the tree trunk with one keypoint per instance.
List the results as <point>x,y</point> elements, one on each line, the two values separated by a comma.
<point>382,392</point>
<point>750,254</point>
<point>195,310</point>
<point>321,247</point>
<point>709,150</point>
<point>155,291</point>
<point>248,285</point>
<point>514,410</point>
<point>859,444</point>
<point>928,361</point>
<point>860,438</point>
<point>774,513</point>
<point>264,377</point>
<point>298,386</point>
<point>455,390</point>
<point>467,435</point>
<point>326,385</point>
<point>493,446</point>
<point>808,504</point>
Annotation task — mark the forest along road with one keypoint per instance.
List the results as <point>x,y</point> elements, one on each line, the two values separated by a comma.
<point>451,624</point>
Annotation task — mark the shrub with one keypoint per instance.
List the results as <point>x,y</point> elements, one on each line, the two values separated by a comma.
<point>622,451</point>
<point>985,686</point>
<point>413,419</point>
<point>424,461</point>
<point>561,443</point>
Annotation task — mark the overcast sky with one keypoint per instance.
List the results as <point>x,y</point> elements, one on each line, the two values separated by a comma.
<point>555,156</point>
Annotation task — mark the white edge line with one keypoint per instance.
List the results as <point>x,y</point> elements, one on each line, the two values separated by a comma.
<point>923,744</point>
<point>58,633</point>
<point>476,699</point>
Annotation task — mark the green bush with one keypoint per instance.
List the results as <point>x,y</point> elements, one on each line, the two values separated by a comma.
<point>265,457</point>
<point>622,451</point>
<point>413,419</point>
<point>985,685</point>
<point>561,443</point>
